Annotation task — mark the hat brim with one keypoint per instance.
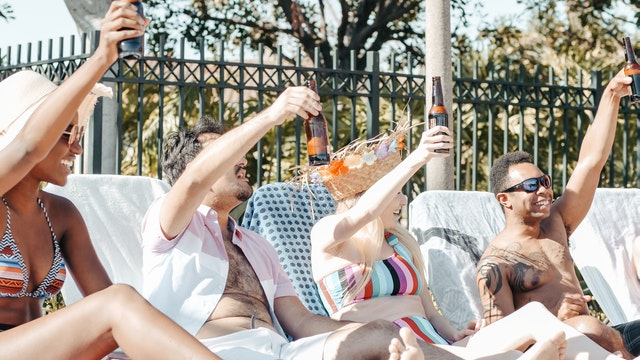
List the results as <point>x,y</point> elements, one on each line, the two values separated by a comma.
<point>23,92</point>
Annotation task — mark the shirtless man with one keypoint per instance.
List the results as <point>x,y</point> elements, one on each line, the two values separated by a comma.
<point>530,260</point>
<point>224,283</point>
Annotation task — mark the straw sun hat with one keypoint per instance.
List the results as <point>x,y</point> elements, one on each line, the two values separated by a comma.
<point>357,166</point>
<point>22,92</point>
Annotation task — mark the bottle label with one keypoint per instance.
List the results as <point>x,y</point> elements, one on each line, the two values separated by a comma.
<point>439,119</point>
<point>317,141</point>
<point>635,88</point>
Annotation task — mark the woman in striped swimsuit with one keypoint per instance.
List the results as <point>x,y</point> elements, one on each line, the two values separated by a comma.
<point>367,266</point>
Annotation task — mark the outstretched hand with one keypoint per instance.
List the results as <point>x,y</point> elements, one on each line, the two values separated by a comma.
<point>436,138</point>
<point>121,22</point>
<point>297,100</point>
<point>620,84</point>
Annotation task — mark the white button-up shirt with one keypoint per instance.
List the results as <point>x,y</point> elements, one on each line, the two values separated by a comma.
<point>185,277</point>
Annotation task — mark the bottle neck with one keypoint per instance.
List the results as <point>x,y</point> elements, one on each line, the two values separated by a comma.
<point>311,84</point>
<point>628,51</point>
<point>436,96</point>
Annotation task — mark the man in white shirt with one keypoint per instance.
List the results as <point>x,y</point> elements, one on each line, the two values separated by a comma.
<point>223,283</point>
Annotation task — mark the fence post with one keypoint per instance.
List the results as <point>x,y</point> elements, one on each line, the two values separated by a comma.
<point>373,105</point>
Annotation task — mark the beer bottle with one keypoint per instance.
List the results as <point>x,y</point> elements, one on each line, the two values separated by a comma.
<point>132,48</point>
<point>632,68</point>
<point>437,112</point>
<point>315,128</point>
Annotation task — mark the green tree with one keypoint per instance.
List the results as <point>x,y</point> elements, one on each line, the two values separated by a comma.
<point>335,28</point>
<point>560,42</point>
<point>6,12</point>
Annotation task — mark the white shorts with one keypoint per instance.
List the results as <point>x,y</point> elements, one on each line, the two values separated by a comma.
<point>265,344</point>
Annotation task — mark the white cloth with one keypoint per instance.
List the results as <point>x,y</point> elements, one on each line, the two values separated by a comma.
<point>453,229</point>
<point>601,248</point>
<point>264,344</point>
<point>112,207</point>
<point>185,277</point>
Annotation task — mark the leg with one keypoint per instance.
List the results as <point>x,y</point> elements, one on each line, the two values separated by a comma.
<point>554,348</point>
<point>371,341</point>
<point>605,336</point>
<point>531,323</point>
<point>118,316</point>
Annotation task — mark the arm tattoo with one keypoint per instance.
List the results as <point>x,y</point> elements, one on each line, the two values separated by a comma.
<point>492,275</point>
<point>489,284</point>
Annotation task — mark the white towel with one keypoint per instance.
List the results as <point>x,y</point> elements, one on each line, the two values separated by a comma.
<point>112,207</point>
<point>601,249</point>
<point>453,228</point>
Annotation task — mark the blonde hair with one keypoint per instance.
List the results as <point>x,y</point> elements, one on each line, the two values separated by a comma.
<point>368,241</point>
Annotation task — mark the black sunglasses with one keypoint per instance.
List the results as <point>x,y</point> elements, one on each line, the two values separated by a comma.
<point>531,185</point>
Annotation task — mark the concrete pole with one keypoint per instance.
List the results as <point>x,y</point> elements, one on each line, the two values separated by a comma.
<point>438,63</point>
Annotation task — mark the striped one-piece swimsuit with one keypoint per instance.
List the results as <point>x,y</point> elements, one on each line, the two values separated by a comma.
<point>393,276</point>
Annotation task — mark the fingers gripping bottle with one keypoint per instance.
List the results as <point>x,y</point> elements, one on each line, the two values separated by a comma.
<point>632,68</point>
<point>438,113</point>
<point>133,48</point>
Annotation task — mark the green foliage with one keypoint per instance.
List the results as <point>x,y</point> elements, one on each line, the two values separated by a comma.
<point>6,12</point>
<point>334,31</point>
<point>53,303</point>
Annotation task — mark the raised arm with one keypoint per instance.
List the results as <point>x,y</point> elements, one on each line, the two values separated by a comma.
<point>334,229</point>
<point>576,200</point>
<point>51,118</point>
<point>221,155</point>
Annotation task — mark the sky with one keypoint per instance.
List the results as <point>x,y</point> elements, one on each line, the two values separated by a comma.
<point>49,19</point>
<point>36,20</point>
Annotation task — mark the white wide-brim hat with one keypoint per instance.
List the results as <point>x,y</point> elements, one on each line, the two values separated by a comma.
<point>22,93</point>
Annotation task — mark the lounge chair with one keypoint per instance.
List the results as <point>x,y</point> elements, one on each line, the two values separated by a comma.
<point>284,215</point>
<point>601,249</point>
<point>453,228</point>
<point>112,207</point>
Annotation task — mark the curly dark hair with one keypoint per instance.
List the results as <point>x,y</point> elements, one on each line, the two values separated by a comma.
<point>182,146</point>
<point>500,170</point>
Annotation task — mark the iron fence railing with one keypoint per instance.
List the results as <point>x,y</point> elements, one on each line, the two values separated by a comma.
<point>496,109</point>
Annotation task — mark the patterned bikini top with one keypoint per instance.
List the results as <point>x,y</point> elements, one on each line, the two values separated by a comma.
<point>14,275</point>
<point>395,275</point>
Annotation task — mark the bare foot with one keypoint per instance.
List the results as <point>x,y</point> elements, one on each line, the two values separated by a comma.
<point>405,349</point>
<point>553,348</point>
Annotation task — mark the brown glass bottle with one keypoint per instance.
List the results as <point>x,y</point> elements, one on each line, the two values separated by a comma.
<point>437,113</point>
<point>315,128</point>
<point>132,48</point>
<point>632,68</point>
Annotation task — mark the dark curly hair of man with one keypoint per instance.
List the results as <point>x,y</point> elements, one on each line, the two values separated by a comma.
<point>182,146</point>
<point>499,175</point>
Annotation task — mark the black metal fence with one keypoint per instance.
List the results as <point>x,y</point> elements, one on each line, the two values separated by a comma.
<point>496,109</point>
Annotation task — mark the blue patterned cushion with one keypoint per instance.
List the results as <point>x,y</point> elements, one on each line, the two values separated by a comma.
<point>284,216</point>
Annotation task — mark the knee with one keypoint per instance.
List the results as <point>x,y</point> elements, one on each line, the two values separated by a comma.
<point>386,329</point>
<point>586,324</point>
<point>122,294</point>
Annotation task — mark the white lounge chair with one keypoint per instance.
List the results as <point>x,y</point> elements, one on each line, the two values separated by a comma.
<point>112,207</point>
<point>453,229</point>
<point>601,248</point>
<point>284,215</point>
